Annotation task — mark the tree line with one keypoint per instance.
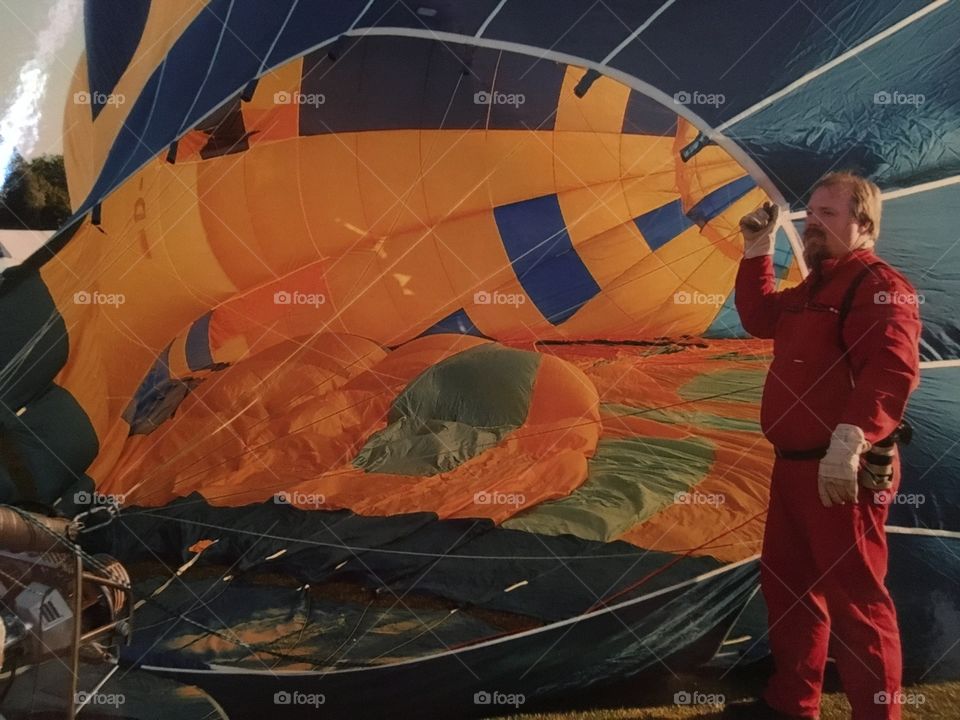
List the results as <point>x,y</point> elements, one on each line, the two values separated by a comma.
<point>34,197</point>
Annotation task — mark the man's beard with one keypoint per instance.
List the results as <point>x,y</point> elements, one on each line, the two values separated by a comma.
<point>814,248</point>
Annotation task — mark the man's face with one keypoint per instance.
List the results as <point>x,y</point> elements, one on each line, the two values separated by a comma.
<point>831,228</point>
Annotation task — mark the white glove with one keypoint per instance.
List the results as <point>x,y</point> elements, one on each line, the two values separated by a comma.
<point>759,229</point>
<point>837,474</point>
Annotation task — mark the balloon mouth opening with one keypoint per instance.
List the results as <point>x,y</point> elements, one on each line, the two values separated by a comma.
<point>498,204</point>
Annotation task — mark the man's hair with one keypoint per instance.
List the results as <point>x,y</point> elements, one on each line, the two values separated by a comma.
<point>865,202</point>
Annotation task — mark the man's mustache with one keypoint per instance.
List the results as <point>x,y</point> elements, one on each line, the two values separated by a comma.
<point>813,233</point>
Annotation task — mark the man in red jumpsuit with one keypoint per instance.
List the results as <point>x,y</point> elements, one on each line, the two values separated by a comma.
<point>838,384</point>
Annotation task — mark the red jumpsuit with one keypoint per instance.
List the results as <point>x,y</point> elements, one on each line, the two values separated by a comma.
<point>822,569</point>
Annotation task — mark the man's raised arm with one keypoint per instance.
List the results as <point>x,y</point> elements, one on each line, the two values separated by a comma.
<point>757,300</point>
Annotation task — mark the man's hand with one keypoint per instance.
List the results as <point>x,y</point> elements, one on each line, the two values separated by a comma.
<point>759,229</point>
<point>837,475</point>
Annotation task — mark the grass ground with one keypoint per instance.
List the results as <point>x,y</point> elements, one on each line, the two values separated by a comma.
<point>652,698</point>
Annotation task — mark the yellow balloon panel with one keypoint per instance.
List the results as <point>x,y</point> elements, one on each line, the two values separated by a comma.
<point>280,219</point>
<point>609,253</point>
<point>471,252</point>
<point>585,159</point>
<point>519,165</point>
<point>648,287</point>
<point>650,158</point>
<point>599,111</point>
<point>174,229</point>
<point>605,315</point>
<point>389,179</point>
<point>327,180</point>
<point>643,196</point>
<point>222,197</point>
<point>361,297</point>
<point>396,230</point>
<point>589,212</point>
<point>412,272</point>
<point>454,172</point>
